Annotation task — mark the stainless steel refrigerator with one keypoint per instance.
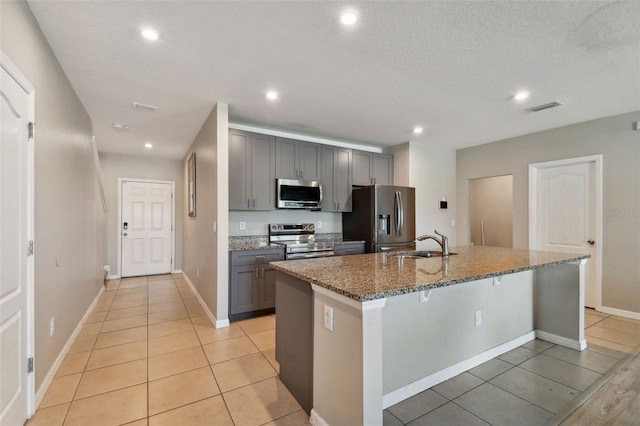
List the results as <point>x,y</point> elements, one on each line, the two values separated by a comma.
<point>384,216</point>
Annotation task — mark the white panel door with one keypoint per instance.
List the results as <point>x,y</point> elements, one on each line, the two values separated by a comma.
<point>566,215</point>
<point>15,265</point>
<point>146,228</point>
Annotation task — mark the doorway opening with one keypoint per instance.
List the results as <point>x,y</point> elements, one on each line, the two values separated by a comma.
<point>491,211</point>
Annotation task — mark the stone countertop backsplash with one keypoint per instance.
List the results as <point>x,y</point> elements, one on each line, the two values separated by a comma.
<point>261,242</point>
<point>373,276</point>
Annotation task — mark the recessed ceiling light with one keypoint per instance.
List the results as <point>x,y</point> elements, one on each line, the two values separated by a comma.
<point>272,95</point>
<point>521,96</point>
<point>119,126</point>
<point>348,17</point>
<point>418,130</point>
<point>148,145</point>
<point>149,34</point>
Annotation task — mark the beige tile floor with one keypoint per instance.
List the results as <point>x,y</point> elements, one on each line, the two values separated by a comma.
<point>148,355</point>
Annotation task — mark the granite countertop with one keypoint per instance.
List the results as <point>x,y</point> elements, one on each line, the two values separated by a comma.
<point>261,242</point>
<point>373,276</point>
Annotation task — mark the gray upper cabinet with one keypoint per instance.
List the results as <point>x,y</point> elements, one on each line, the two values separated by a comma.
<point>298,160</point>
<point>251,171</point>
<point>370,168</point>
<point>336,179</point>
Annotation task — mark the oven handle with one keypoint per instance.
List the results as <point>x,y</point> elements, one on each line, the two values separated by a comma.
<point>296,256</point>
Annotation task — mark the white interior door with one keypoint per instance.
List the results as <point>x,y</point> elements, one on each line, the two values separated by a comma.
<point>16,266</point>
<point>567,217</point>
<point>146,228</point>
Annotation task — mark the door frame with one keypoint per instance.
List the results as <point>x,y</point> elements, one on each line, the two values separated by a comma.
<point>22,81</point>
<point>533,209</point>
<point>173,220</point>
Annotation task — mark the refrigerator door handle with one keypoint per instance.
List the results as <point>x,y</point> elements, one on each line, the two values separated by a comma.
<point>399,210</point>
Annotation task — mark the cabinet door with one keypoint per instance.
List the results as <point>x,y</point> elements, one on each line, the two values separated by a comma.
<point>267,287</point>
<point>286,158</point>
<point>329,171</point>
<point>310,161</point>
<point>244,291</point>
<point>343,179</point>
<point>239,170</point>
<point>383,169</point>
<point>362,172</point>
<point>263,177</point>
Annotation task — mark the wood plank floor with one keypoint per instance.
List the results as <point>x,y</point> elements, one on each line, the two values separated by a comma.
<point>617,402</point>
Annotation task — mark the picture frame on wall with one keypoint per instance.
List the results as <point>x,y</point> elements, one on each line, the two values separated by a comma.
<point>191,179</point>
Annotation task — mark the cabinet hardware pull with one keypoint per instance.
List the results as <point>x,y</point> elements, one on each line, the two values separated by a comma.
<point>262,272</point>
<point>255,272</point>
<point>254,203</point>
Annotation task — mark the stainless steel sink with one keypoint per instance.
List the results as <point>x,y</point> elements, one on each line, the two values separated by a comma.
<point>419,254</point>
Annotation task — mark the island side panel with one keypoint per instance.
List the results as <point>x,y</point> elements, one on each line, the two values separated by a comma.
<point>347,370</point>
<point>294,337</point>
<point>423,338</point>
<point>559,304</point>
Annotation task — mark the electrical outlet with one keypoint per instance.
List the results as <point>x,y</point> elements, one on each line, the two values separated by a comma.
<point>243,225</point>
<point>52,327</point>
<point>453,223</point>
<point>328,318</point>
<point>319,224</point>
<point>478,318</point>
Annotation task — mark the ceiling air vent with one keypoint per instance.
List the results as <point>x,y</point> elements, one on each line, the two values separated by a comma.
<point>143,107</point>
<point>546,106</point>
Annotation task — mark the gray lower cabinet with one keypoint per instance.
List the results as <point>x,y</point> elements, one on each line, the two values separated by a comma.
<point>252,281</point>
<point>370,168</point>
<point>344,249</point>
<point>251,171</point>
<point>336,179</point>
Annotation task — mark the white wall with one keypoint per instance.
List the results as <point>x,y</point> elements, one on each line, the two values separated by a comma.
<point>619,144</point>
<point>69,222</point>
<point>116,166</point>
<point>206,236</point>
<point>256,222</point>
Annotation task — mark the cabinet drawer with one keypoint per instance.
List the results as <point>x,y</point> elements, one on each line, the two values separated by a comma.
<point>256,257</point>
<point>347,249</point>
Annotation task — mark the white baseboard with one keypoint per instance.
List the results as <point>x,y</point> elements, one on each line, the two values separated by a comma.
<point>578,345</point>
<point>212,318</point>
<point>620,312</point>
<point>176,271</point>
<point>113,277</point>
<point>42,390</point>
<point>316,420</point>
<point>425,383</point>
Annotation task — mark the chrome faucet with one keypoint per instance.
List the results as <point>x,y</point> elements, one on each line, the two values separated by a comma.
<point>444,243</point>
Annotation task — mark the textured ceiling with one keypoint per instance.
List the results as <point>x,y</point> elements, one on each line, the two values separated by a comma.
<point>448,66</point>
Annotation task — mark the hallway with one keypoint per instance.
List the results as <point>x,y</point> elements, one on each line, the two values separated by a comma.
<point>148,354</point>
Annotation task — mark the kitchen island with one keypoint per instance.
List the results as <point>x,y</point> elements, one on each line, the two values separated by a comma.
<point>384,328</point>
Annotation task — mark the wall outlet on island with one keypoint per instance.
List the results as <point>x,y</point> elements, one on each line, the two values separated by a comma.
<point>328,318</point>
<point>478,320</point>
<point>243,225</point>
<point>319,224</point>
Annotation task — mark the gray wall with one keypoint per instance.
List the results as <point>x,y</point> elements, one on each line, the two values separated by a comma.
<point>491,202</point>
<point>205,237</point>
<point>68,218</point>
<point>116,166</point>
<point>619,145</point>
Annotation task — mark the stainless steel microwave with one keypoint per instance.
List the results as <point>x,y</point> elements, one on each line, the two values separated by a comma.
<point>298,194</point>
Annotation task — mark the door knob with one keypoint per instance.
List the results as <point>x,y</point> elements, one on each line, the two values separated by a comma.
<point>591,242</point>
<point>125,234</point>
